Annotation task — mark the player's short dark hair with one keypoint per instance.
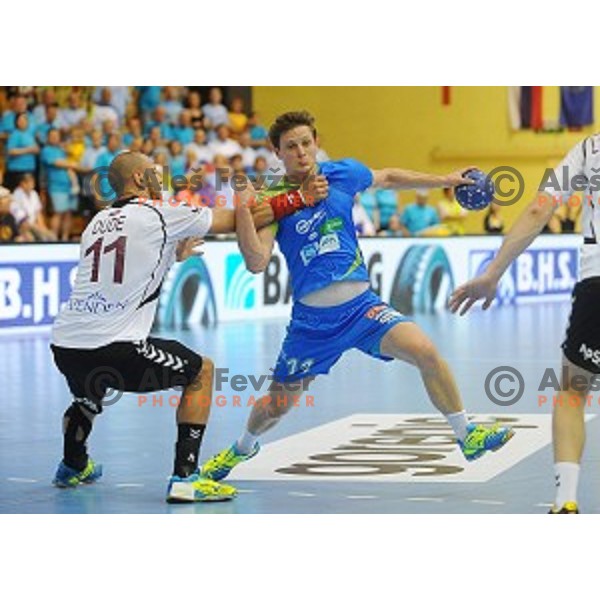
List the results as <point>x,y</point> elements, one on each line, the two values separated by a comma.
<point>290,120</point>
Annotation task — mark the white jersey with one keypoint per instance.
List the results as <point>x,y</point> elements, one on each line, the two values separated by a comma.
<point>126,251</point>
<point>580,172</point>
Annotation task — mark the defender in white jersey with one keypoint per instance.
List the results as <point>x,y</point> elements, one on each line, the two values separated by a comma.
<point>100,339</point>
<point>578,172</point>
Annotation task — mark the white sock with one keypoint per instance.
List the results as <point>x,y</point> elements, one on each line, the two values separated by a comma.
<point>246,442</point>
<point>458,422</point>
<point>567,477</point>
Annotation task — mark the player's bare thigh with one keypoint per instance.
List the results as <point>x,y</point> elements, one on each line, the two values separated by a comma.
<point>407,342</point>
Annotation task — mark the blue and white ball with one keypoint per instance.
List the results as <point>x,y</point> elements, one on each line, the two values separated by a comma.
<point>478,195</point>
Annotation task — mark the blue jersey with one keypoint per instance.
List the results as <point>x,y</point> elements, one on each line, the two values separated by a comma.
<point>319,242</point>
<point>22,162</point>
<point>57,178</point>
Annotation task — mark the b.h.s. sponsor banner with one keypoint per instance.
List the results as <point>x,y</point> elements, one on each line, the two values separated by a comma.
<point>34,282</point>
<point>413,275</point>
<point>401,448</point>
<point>538,272</point>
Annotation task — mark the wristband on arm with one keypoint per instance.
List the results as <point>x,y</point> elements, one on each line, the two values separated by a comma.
<point>288,203</point>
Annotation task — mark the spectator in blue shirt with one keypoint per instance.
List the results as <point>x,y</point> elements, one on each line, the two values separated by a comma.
<point>148,99</point>
<point>56,169</point>
<point>41,109</point>
<point>258,174</point>
<point>215,111</point>
<point>50,122</point>
<point>184,132</point>
<point>387,205</point>
<point>419,217</point>
<point>88,163</point>
<point>9,118</point>
<point>177,159</point>
<point>21,150</point>
<point>258,133</point>
<point>172,104</point>
<point>160,120</point>
<point>113,147</point>
<point>134,130</point>
<point>93,151</point>
<point>381,205</point>
<point>369,203</point>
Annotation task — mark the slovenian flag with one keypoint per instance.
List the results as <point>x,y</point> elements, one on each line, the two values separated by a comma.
<point>576,106</point>
<point>525,107</point>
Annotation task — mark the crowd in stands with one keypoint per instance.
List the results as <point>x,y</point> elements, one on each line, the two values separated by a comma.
<point>52,140</point>
<point>381,213</point>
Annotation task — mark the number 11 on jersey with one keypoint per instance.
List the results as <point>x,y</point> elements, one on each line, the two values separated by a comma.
<point>118,246</point>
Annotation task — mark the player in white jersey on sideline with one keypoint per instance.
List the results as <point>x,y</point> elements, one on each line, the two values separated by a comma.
<point>100,338</point>
<point>577,172</point>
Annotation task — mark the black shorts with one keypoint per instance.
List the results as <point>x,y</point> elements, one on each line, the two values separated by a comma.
<point>582,343</point>
<point>146,366</point>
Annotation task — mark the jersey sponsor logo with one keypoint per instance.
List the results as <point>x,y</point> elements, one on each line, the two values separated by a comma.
<point>590,354</point>
<point>308,252</point>
<point>240,284</point>
<point>32,293</point>
<point>394,448</point>
<point>547,272</point>
<point>332,225</point>
<point>329,243</point>
<point>382,314</point>
<point>96,303</point>
<point>305,225</point>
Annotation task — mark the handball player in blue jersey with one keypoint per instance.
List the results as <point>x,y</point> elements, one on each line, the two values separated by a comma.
<point>334,308</point>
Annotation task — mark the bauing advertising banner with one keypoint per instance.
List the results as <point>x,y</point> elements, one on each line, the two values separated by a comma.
<point>414,275</point>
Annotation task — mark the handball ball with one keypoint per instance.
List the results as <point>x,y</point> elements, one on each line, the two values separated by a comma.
<point>477,195</point>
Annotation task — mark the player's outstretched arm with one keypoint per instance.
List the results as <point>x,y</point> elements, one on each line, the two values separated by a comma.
<point>524,231</point>
<point>401,179</point>
<point>224,218</point>
<point>266,211</point>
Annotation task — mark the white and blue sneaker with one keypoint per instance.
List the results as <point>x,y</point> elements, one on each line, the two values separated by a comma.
<point>66,477</point>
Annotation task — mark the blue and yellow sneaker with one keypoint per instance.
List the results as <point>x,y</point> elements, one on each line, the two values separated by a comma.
<point>480,439</point>
<point>220,465</point>
<point>196,488</point>
<point>568,508</point>
<point>66,477</point>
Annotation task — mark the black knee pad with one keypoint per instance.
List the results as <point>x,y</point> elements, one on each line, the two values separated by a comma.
<point>78,426</point>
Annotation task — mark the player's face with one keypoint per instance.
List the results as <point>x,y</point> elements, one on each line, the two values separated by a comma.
<point>298,151</point>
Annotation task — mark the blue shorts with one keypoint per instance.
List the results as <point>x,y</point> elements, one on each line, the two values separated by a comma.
<point>63,202</point>
<point>317,337</point>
